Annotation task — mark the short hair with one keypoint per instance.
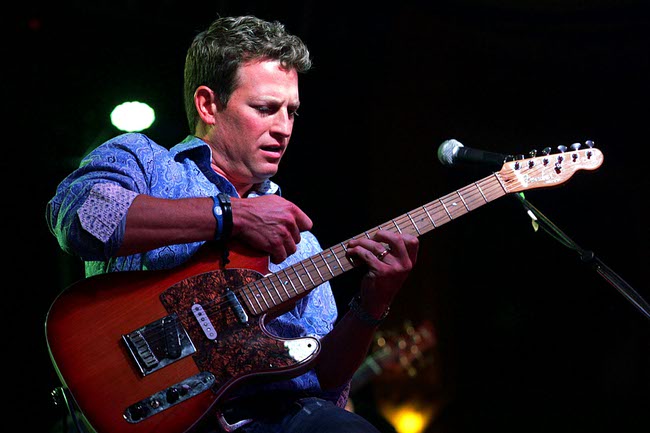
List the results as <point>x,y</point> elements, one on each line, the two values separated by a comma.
<point>217,53</point>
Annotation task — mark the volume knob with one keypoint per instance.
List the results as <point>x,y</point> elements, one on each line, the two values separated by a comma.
<point>172,395</point>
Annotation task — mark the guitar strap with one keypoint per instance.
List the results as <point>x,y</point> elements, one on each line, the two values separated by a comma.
<point>223,247</point>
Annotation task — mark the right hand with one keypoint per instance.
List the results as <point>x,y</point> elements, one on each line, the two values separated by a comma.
<point>269,223</point>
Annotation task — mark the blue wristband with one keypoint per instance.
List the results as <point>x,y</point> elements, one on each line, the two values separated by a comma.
<point>226,214</point>
<point>218,216</point>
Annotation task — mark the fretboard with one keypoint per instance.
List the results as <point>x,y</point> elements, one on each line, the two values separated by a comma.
<point>295,281</point>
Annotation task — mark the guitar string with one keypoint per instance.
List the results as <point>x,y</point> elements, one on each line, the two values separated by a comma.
<point>432,215</point>
<point>437,211</point>
<point>479,193</point>
<point>493,187</point>
<point>473,196</point>
<point>491,184</point>
<point>321,268</point>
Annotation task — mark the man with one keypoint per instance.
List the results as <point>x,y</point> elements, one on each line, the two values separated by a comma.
<point>134,205</point>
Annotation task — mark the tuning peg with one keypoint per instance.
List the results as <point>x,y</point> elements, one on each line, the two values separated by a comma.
<point>561,148</point>
<point>575,146</point>
<point>589,143</point>
<point>546,151</point>
<point>532,153</point>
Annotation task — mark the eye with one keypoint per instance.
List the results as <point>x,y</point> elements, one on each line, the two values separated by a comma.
<point>264,109</point>
<point>267,110</point>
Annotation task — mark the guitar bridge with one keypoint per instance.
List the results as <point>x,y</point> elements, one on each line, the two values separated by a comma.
<point>158,344</point>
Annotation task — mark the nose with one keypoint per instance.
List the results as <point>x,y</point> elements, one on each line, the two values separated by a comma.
<point>282,123</point>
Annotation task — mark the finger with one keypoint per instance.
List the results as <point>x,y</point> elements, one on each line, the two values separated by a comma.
<point>284,248</point>
<point>370,253</point>
<point>394,241</point>
<point>366,249</point>
<point>294,232</point>
<point>278,257</point>
<point>412,246</point>
<point>383,254</point>
<point>290,245</point>
<point>303,222</point>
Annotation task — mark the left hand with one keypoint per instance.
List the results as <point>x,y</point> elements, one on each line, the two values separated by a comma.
<point>389,257</point>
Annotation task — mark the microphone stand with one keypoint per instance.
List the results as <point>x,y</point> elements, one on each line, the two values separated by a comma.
<point>586,256</point>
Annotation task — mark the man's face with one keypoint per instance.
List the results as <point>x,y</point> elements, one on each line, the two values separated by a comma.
<point>252,133</point>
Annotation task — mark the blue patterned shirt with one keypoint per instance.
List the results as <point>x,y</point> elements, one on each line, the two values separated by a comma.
<point>87,215</point>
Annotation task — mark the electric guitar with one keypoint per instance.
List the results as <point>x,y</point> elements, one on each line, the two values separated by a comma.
<point>158,351</point>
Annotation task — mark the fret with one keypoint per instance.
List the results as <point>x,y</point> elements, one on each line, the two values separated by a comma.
<point>421,220</point>
<point>317,270</point>
<point>429,215</point>
<point>488,188</point>
<point>397,226</point>
<point>267,290</point>
<point>249,303</point>
<point>284,285</point>
<point>270,278</point>
<point>271,289</point>
<point>476,197</point>
<point>326,264</point>
<point>452,206</point>
<point>481,191</point>
<point>257,300</point>
<point>414,225</point>
<point>445,208</point>
<point>336,257</point>
<point>463,200</point>
<point>501,183</point>
<point>346,254</point>
<point>467,196</point>
<point>302,283</point>
<point>308,274</point>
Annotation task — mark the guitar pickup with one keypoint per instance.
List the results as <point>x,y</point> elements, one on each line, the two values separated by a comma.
<point>158,344</point>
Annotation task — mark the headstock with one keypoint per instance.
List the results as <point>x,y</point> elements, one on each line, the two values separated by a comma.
<point>548,169</point>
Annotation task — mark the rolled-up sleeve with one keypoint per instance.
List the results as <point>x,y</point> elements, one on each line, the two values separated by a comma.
<point>104,209</point>
<point>87,214</point>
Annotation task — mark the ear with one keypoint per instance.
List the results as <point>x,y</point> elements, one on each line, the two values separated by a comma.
<point>206,104</point>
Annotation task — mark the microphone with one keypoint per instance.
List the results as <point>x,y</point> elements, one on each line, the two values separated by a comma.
<point>452,152</point>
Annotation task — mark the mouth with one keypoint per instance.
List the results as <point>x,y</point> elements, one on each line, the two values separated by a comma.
<point>275,149</point>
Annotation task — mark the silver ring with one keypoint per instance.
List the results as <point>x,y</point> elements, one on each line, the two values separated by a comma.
<point>381,255</point>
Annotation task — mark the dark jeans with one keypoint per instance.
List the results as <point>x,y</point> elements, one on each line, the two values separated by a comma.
<point>312,415</point>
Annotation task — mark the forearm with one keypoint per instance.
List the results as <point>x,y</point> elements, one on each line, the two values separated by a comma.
<point>346,346</point>
<point>154,222</point>
<point>343,350</point>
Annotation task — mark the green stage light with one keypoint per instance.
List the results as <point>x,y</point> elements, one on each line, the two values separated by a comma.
<point>132,116</point>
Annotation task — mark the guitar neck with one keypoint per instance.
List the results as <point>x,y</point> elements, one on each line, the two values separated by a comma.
<point>543,171</point>
<point>296,281</point>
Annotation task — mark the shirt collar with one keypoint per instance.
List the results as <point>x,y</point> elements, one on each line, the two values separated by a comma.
<point>200,152</point>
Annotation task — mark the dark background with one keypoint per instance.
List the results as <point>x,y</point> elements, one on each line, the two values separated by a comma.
<point>530,339</point>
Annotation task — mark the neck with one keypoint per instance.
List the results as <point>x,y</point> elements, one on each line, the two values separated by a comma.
<point>242,188</point>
